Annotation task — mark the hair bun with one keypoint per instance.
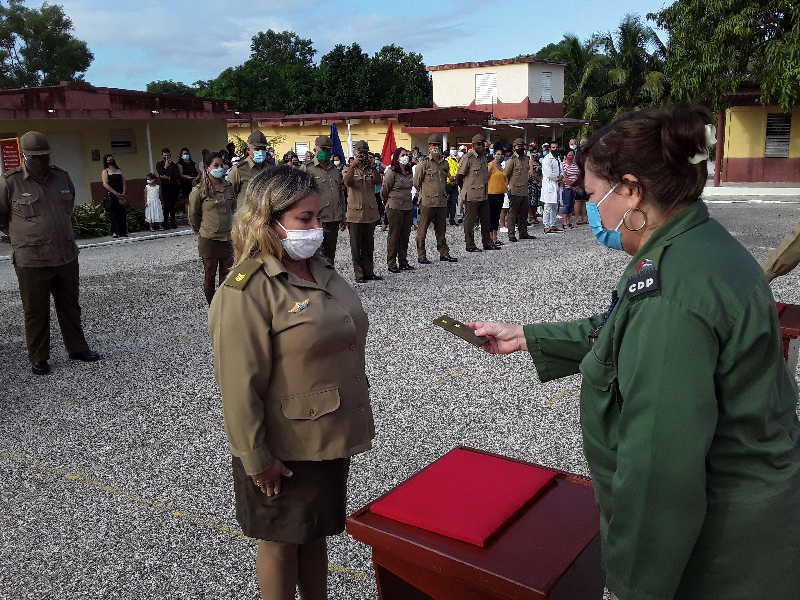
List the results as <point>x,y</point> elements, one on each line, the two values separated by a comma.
<point>683,137</point>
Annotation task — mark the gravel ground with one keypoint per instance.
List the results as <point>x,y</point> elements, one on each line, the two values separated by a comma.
<point>115,476</point>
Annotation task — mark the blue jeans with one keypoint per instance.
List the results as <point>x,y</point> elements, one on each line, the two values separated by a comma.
<point>549,215</point>
<point>452,201</point>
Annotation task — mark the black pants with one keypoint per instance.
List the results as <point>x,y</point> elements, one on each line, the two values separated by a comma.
<point>117,217</point>
<point>383,220</point>
<point>452,201</point>
<point>517,219</point>
<point>211,268</point>
<point>36,285</point>
<point>436,216</point>
<point>330,233</point>
<point>362,248</point>
<point>476,211</point>
<point>495,206</point>
<point>169,198</point>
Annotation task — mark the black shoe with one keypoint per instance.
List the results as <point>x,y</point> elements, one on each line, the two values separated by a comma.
<point>452,222</point>
<point>40,368</point>
<point>86,356</point>
<point>406,267</point>
<point>474,250</point>
<point>394,270</point>
<point>447,259</point>
<point>491,247</point>
<point>361,280</point>
<point>512,239</point>
<point>423,261</point>
<point>374,277</point>
<point>527,237</point>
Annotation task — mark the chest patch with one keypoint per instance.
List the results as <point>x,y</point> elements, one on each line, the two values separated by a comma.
<point>646,282</point>
<point>300,306</point>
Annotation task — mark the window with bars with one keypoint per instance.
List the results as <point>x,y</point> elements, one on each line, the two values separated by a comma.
<point>485,88</point>
<point>546,86</point>
<point>779,126</point>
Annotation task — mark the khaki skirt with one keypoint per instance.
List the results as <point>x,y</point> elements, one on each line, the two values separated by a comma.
<point>311,505</point>
<point>214,248</point>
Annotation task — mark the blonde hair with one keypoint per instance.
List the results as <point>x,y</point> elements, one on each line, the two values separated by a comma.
<point>268,195</point>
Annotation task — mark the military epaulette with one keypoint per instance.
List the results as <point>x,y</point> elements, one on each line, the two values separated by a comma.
<point>10,172</point>
<point>239,277</point>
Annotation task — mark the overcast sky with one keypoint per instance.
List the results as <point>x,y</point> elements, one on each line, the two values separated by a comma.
<point>138,41</point>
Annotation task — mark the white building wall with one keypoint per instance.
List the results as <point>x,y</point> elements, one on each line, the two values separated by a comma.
<point>456,87</point>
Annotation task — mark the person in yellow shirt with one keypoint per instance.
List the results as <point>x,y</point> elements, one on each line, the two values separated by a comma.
<point>496,192</point>
<point>451,187</point>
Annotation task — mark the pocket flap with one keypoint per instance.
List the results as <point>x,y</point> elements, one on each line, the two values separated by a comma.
<point>311,405</point>
<point>597,374</point>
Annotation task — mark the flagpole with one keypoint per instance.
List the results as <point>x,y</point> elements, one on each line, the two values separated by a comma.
<point>349,140</point>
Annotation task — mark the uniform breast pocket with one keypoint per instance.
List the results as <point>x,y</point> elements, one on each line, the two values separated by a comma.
<point>600,383</point>
<point>26,206</point>
<point>68,196</point>
<point>311,406</point>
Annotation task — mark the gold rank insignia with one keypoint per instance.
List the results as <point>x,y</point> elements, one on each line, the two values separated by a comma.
<point>300,306</point>
<point>240,277</point>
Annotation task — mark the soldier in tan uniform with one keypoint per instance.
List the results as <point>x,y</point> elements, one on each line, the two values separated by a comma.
<point>255,162</point>
<point>289,337</point>
<point>332,195</point>
<point>211,206</point>
<point>36,202</point>
<point>785,257</point>
<point>362,211</point>
<point>431,181</point>
<point>473,178</point>
<point>517,168</point>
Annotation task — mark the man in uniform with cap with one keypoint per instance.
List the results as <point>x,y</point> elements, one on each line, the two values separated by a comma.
<point>430,180</point>
<point>246,169</point>
<point>361,177</point>
<point>36,202</point>
<point>473,178</point>
<point>516,172</point>
<point>331,193</point>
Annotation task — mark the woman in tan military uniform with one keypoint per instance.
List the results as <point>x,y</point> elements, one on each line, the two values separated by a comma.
<point>289,337</point>
<point>396,194</point>
<point>211,205</point>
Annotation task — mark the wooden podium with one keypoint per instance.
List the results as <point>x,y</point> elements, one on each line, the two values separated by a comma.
<point>550,550</point>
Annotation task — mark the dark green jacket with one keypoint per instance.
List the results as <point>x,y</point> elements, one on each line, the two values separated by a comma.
<point>689,421</point>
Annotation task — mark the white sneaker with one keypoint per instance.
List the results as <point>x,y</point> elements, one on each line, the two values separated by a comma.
<point>503,230</point>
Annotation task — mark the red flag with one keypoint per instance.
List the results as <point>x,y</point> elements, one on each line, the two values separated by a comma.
<point>389,146</point>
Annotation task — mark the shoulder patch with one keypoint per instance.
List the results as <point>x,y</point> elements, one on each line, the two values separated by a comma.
<point>239,277</point>
<point>643,284</point>
<point>11,172</point>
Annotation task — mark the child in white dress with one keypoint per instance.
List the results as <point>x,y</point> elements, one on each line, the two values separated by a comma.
<point>153,212</point>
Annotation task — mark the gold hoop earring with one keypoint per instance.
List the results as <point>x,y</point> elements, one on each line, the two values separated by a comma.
<point>628,213</point>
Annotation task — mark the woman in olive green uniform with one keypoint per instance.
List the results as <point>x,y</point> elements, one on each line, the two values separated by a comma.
<point>396,194</point>
<point>211,206</point>
<point>289,337</point>
<point>687,409</point>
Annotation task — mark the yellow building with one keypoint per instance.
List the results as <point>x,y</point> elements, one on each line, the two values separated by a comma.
<point>83,123</point>
<point>411,127</point>
<point>760,143</point>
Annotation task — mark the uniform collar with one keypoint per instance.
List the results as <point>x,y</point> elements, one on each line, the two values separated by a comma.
<point>320,268</point>
<point>26,175</point>
<point>321,166</point>
<point>688,218</point>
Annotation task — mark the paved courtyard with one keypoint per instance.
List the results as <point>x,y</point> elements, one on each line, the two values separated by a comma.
<point>115,478</point>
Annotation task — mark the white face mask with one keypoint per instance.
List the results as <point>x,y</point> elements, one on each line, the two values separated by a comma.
<point>301,244</point>
<point>460,153</point>
<point>403,160</point>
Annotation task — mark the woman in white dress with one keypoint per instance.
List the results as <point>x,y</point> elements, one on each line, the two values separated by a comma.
<point>153,211</point>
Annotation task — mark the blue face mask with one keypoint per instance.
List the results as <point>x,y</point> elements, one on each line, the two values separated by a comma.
<point>610,238</point>
<point>186,156</point>
<point>259,156</point>
<point>218,172</point>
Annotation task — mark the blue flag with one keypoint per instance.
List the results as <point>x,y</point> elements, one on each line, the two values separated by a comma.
<point>336,144</point>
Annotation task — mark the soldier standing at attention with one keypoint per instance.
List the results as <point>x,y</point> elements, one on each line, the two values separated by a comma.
<point>431,180</point>
<point>362,211</point>
<point>331,193</point>
<point>36,202</point>
<point>516,171</point>
<point>246,169</point>
<point>473,178</point>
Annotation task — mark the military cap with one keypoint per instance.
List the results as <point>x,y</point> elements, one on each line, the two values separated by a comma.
<point>478,137</point>
<point>361,145</point>
<point>518,142</point>
<point>34,143</point>
<point>323,140</point>
<point>435,138</point>
<point>256,138</point>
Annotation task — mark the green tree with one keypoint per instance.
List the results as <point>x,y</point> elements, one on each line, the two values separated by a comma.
<point>342,80</point>
<point>716,46</point>
<point>398,79</point>
<point>37,46</point>
<point>167,86</point>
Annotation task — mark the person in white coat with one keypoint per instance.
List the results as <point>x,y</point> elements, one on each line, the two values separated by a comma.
<point>551,179</point>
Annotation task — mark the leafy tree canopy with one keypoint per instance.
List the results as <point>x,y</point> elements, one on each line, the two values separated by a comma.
<point>167,86</point>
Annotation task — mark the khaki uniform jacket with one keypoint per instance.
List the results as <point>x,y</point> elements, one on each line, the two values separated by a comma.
<point>396,189</point>
<point>688,419</point>
<point>475,170</point>
<point>361,204</point>
<point>243,172</point>
<point>785,257</point>
<point>38,217</point>
<point>430,180</point>
<point>289,357</point>
<point>212,217</point>
<point>517,174</point>
<point>332,192</point>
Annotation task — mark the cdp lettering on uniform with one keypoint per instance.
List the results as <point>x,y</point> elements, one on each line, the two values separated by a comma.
<point>644,283</point>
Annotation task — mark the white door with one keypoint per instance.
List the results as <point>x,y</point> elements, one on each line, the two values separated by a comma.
<point>66,153</point>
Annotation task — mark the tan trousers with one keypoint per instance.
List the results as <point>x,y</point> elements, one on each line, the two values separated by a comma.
<point>517,219</point>
<point>399,233</point>
<point>476,211</point>
<point>362,249</point>
<point>438,216</point>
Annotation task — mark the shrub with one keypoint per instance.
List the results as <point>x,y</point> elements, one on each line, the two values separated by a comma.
<point>89,220</point>
<point>136,220</point>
